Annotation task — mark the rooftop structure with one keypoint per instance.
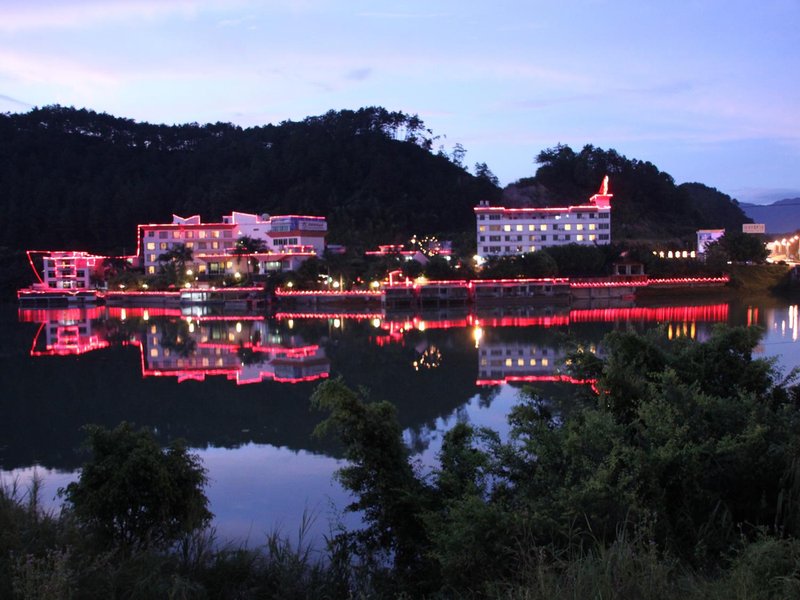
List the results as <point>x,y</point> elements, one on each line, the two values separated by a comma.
<point>505,231</point>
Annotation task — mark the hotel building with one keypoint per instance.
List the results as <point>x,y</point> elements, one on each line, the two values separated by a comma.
<point>288,240</point>
<point>505,231</point>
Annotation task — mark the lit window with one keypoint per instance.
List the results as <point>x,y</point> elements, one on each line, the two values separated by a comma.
<point>482,228</point>
<point>189,234</point>
<point>592,237</point>
<point>519,227</point>
<point>151,245</point>
<point>509,362</point>
<point>579,227</point>
<point>567,227</point>
<point>176,234</point>
<point>545,362</point>
<point>591,226</point>
<point>531,227</point>
<point>153,352</point>
<point>215,245</point>
<point>201,234</point>
<point>579,237</point>
<point>533,362</point>
<point>151,270</point>
<point>506,227</point>
<point>542,227</point>
<point>520,362</point>
<point>153,258</point>
<point>190,244</point>
<point>215,233</point>
<point>229,264</point>
<point>163,245</point>
<point>533,249</point>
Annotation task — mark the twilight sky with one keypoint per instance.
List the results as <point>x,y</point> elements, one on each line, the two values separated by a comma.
<point>708,90</point>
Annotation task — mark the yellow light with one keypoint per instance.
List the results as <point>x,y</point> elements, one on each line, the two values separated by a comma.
<point>145,286</point>
<point>375,285</point>
<point>336,285</point>
<point>123,314</point>
<point>421,325</point>
<point>237,275</point>
<point>189,272</point>
<point>376,322</point>
<point>290,323</point>
<point>290,284</point>
<point>191,327</point>
<point>238,327</point>
<point>187,285</point>
<point>477,334</point>
<point>337,323</point>
<point>146,315</point>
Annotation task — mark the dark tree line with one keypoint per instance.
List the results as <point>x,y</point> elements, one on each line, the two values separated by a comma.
<point>647,203</point>
<point>78,179</point>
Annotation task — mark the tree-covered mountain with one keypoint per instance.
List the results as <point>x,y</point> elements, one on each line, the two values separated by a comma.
<point>647,203</point>
<point>76,179</point>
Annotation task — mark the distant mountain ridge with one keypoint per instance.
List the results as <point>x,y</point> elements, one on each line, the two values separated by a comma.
<point>782,216</point>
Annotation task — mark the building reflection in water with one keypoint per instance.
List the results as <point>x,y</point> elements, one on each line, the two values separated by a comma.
<point>250,349</point>
<point>245,349</point>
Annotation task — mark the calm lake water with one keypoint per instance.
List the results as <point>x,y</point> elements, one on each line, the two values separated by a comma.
<point>237,387</point>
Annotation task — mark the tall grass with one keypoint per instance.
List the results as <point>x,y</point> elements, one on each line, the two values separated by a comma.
<point>44,556</point>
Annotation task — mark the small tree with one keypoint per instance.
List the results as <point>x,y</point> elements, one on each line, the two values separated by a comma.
<point>247,246</point>
<point>133,494</point>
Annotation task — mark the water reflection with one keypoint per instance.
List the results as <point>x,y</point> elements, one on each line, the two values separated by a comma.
<point>250,349</point>
<point>244,349</point>
<point>236,387</point>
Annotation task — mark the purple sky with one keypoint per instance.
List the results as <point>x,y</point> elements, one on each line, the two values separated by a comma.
<point>708,90</point>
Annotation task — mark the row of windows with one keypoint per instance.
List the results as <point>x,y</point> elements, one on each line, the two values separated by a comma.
<point>544,216</point>
<point>543,227</point>
<point>519,362</point>
<point>178,234</point>
<point>215,245</point>
<point>542,238</point>
<point>519,249</point>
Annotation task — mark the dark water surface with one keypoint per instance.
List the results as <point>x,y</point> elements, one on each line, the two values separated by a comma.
<point>237,387</point>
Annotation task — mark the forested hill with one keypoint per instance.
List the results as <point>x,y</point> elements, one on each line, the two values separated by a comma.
<point>647,203</point>
<point>76,179</point>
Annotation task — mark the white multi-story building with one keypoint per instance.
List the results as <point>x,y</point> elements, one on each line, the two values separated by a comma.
<point>70,270</point>
<point>287,241</point>
<point>505,231</point>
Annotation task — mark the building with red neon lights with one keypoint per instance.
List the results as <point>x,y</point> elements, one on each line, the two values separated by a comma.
<point>288,241</point>
<point>505,231</point>
<point>69,270</point>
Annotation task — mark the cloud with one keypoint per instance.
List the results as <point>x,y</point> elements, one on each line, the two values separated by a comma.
<point>53,70</point>
<point>403,15</point>
<point>359,74</point>
<point>73,14</point>
<point>10,100</point>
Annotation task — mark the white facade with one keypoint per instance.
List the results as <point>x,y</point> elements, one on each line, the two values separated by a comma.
<point>288,241</point>
<point>706,237</point>
<point>70,270</point>
<point>505,231</point>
